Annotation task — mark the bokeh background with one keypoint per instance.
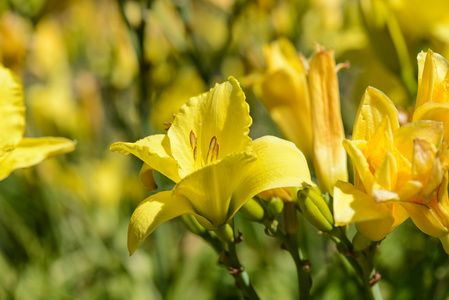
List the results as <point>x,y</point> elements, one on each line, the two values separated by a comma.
<point>104,71</point>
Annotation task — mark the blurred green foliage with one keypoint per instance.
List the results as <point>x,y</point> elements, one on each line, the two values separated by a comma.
<point>105,71</point>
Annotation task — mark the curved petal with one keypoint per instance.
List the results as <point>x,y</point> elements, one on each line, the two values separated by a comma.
<point>374,107</point>
<point>425,219</point>
<point>211,188</point>
<point>445,242</point>
<point>31,151</point>
<point>375,230</point>
<point>155,151</point>
<point>361,165</point>
<point>352,205</point>
<point>279,164</point>
<point>436,112</point>
<point>221,113</point>
<point>12,111</point>
<point>405,136</point>
<point>151,213</point>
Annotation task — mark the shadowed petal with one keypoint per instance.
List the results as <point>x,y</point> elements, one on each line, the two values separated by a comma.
<point>151,213</point>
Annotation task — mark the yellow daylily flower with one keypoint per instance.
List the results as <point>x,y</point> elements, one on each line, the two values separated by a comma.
<point>399,172</point>
<point>284,91</point>
<point>216,166</point>
<point>305,104</point>
<point>15,150</point>
<point>432,102</point>
<point>329,157</point>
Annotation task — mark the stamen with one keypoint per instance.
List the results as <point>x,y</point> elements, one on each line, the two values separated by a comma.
<point>212,153</point>
<point>168,124</point>
<point>193,144</point>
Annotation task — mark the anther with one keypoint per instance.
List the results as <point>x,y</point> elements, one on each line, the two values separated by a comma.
<point>212,153</point>
<point>168,124</point>
<point>193,144</point>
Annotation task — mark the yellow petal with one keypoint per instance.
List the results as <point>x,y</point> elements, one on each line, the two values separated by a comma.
<point>279,163</point>
<point>445,242</point>
<point>423,164</point>
<point>386,174</point>
<point>12,111</point>
<point>211,188</point>
<point>425,219</point>
<point>31,151</point>
<point>352,205</point>
<point>146,175</point>
<point>375,230</point>
<point>404,137</point>
<point>221,113</point>
<point>284,91</point>
<point>361,166</point>
<point>155,151</point>
<point>436,112</point>
<point>328,134</point>
<point>151,213</point>
<point>374,107</point>
<point>379,144</point>
<point>432,70</point>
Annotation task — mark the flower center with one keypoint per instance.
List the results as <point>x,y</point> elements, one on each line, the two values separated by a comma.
<point>212,152</point>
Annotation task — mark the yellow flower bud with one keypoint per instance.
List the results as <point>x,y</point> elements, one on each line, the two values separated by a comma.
<point>329,156</point>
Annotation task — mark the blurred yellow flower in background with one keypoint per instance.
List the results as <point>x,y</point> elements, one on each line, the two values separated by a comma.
<point>305,104</point>
<point>215,164</point>
<point>15,150</point>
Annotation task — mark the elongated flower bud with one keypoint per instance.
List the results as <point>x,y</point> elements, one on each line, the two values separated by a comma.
<point>329,156</point>
<point>315,208</point>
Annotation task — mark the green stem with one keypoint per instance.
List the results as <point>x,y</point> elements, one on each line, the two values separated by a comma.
<point>302,268</point>
<point>362,261</point>
<point>290,243</point>
<point>228,257</point>
<point>240,275</point>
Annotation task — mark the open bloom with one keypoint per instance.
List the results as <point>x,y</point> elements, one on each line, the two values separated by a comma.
<point>305,104</point>
<point>215,164</point>
<point>399,172</point>
<point>15,150</point>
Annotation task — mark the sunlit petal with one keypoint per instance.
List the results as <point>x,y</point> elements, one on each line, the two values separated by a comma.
<point>279,164</point>
<point>12,111</point>
<point>352,205</point>
<point>361,165</point>
<point>404,137</point>
<point>154,151</point>
<point>436,112</point>
<point>221,113</point>
<point>31,151</point>
<point>374,107</point>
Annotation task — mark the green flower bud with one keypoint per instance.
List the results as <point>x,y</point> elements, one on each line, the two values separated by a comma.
<point>192,224</point>
<point>275,206</point>
<point>315,208</point>
<point>252,210</point>
<point>225,233</point>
